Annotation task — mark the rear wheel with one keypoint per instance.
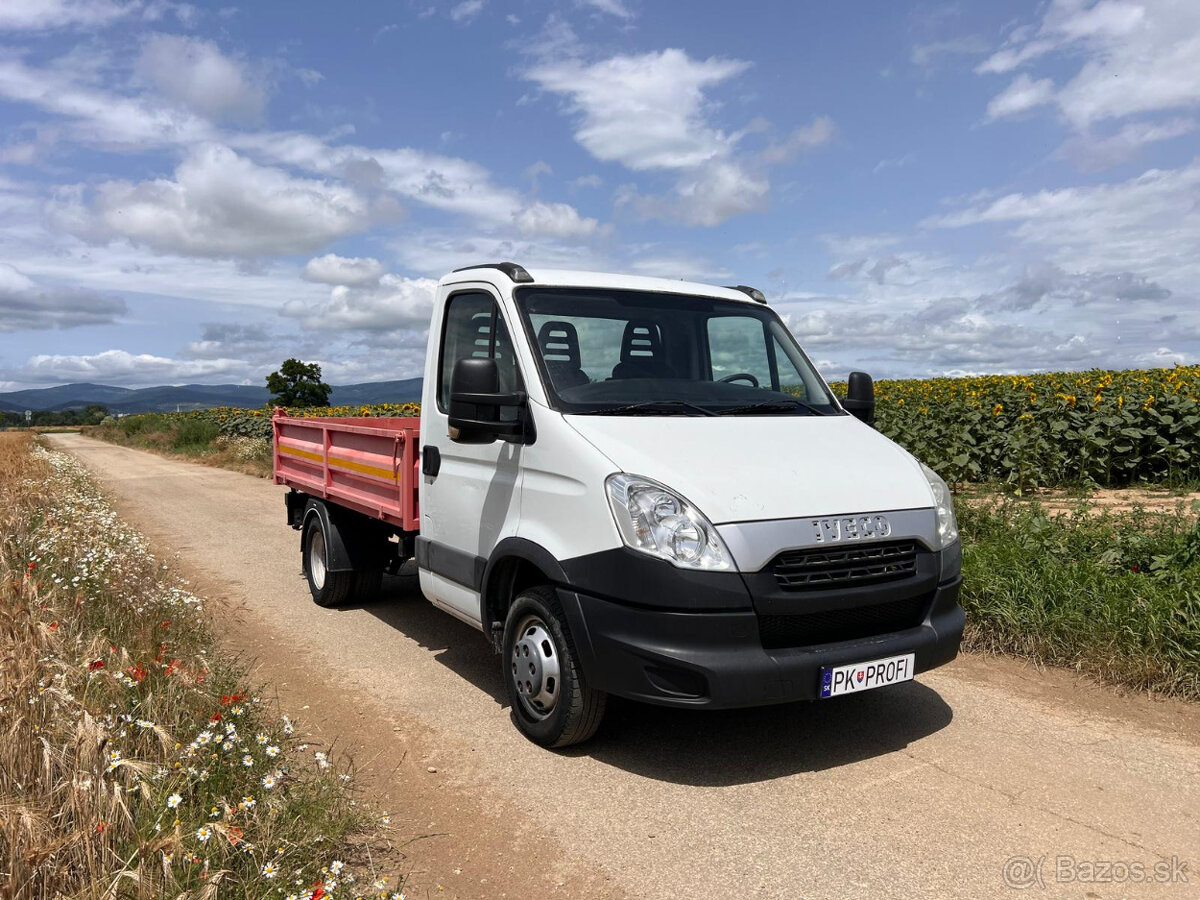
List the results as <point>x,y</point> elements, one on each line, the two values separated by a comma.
<point>551,702</point>
<point>328,588</point>
<point>368,584</point>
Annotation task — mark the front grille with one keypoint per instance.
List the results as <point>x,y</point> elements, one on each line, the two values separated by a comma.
<point>854,623</point>
<point>820,569</point>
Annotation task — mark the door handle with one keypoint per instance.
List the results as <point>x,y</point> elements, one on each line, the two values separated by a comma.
<point>431,460</point>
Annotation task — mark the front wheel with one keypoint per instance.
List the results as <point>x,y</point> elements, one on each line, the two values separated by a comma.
<point>551,702</point>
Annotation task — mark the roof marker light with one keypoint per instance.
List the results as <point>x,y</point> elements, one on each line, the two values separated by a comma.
<point>752,293</point>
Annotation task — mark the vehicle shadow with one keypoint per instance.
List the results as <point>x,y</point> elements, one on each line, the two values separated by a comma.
<point>704,748</point>
<point>719,748</point>
<point>454,644</point>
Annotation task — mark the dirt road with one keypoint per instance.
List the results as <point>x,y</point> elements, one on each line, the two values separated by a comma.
<point>921,790</point>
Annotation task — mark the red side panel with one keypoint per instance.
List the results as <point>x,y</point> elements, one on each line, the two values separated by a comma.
<point>369,465</point>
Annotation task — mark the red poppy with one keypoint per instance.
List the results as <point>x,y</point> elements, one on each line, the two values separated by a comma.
<point>95,664</point>
<point>216,717</point>
<point>54,626</point>
<point>173,667</point>
<point>138,673</point>
<point>235,834</point>
<point>100,826</point>
<point>318,891</point>
<point>31,567</point>
<point>165,623</point>
<point>1135,568</point>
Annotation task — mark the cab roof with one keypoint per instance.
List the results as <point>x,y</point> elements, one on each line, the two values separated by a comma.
<point>499,275</point>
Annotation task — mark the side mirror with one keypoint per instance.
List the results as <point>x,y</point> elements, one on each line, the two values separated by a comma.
<point>860,397</point>
<point>475,402</point>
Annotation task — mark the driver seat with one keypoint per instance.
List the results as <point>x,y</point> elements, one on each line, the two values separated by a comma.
<point>559,343</point>
<point>642,354</point>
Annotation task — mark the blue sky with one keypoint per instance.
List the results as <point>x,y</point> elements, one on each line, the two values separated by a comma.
<point>193,192</point>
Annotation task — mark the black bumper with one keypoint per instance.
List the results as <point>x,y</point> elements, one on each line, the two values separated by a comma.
<point>715,658</point>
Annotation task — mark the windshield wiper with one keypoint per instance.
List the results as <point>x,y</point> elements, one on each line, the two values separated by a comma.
<point>783,404</point>
<point>652,407</point>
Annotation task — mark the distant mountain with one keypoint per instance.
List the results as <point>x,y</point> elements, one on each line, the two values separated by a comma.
<point>168,398</point>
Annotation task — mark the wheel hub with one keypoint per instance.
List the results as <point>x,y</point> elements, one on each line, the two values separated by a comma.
<point>534,668</point>
<point>316,558</point>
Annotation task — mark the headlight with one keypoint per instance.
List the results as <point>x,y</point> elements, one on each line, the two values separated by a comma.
<point>947,525</point>
<point>655,520</point>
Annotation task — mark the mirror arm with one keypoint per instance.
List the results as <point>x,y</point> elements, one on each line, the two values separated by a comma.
<point>516,398</point>
<point>517,427</point>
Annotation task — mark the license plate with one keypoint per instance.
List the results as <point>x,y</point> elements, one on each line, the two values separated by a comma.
<point>855,677</point>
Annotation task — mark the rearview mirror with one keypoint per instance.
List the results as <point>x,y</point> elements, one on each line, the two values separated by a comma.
<point>860,397</point>
<point>475,402</point>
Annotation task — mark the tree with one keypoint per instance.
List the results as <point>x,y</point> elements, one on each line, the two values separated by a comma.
<point>298,384</point>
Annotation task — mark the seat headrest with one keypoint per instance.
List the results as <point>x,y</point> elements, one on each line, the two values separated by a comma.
<point>641,341</point>
<point>559,343</point>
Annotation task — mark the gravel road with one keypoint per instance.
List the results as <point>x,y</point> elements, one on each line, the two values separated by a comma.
<point>921,790</point>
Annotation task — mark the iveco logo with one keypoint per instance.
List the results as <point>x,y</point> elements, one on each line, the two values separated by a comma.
<point>851,528</point>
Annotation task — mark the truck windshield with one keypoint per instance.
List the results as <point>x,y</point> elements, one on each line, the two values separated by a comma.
<point>612,352</point>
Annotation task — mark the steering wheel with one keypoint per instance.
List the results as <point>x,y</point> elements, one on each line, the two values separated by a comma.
<point>741,376</point>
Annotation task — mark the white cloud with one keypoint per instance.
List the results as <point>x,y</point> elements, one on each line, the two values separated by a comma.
<point>555,220</point>
<point>436,252</point>
<point>819,131</point>
<point>611,7</point>
<point>394,304</point>
<point>99,117</point>
<point>1022,95</point>
<point>196,74</point>
<point>1091,153</point>
<point>650,112</point>
<point>122,367</point>
<point>1137,58</point>
<point>220,205</point>
<point>27,305</point>
<point>706,196</point>
<point>235,340</point>
<point>113,121</point>
<point>646,111</point>
<point>39,15</point>
<point>467,10</point>
<point>351,270</point>
<point>1148,224</point>
<point>658,263</point>
<point>441,182</point>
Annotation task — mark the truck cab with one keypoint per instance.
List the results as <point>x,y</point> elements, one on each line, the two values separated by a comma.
<point>644,487</point>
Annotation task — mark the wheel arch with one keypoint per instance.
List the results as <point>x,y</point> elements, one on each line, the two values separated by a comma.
<point>352,541</point>
<point>515,564</point>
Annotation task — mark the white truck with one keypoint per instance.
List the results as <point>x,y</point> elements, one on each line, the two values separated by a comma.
<point>640,487</point>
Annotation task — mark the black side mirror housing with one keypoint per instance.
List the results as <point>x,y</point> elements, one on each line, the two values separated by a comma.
<point>860,397</point>
<point>475,402</point>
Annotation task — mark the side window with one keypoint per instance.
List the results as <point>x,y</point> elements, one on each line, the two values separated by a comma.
<point>737,345</point>
<point>474,328</point>
<point>790,381</point>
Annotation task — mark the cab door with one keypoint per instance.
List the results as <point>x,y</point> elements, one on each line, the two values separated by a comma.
<point>470,497</point>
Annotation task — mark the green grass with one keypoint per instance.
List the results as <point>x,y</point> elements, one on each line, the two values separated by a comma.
<point>136,759</point>
<point>1114,595</point>
<point>198,438</point>
<point>194,435</point>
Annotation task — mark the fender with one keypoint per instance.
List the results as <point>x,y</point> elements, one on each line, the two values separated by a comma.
<point>352,541</point>
<point>537,555</point>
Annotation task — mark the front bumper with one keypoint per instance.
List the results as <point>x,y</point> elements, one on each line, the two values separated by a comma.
<point>716,659</point>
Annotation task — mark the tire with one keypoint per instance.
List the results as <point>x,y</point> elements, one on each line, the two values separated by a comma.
<point>552,704</point>
<point>368,585</point>
<point>329,589</point>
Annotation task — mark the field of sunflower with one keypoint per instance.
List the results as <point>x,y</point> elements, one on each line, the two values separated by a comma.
<point>1094,429</point>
